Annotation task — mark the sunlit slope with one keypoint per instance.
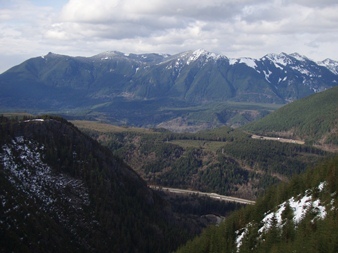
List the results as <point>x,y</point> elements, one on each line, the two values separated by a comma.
<point>313,119</point>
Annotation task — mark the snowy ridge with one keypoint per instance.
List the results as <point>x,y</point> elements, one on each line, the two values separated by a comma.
<point>192,56</point>
<point>195,55</point>
<point>299,57</point>
<point>300,207</point>
<point>330,65</point>
<point>246,60</point>
<point>108,55</point>
<point>284,59</point>
<point>296,61</point>
<point>304,69</point>
<point>279,60</point>
<point>200,55</point>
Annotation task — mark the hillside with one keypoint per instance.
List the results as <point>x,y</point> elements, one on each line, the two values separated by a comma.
<point>63,192</point>
<point>223,160</point>
<point>196,88</point>
<point>313,119</point>
<point>297,217</point>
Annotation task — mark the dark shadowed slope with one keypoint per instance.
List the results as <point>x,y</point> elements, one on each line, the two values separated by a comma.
<point>63,192</point>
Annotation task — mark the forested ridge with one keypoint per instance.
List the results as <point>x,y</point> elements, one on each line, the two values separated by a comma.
<point>247,230</point>
<point>61,191</point>
<point>313,119</point>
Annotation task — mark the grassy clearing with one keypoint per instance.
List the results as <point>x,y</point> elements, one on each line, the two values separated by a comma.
<point>248,105</point>
<point>16,114</point>
<point>221,105</point>
<point>212,146</point>
<point>108,128</point>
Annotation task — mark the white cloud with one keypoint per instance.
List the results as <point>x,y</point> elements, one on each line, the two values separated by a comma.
<point>235,28</point>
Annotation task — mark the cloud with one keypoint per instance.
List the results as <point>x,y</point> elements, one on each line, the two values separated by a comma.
<point>131,19</point>
<point>155,18</point>
<point>107,11</point>
<point>235,28</point>
<point>312,3</point>
<point>22,24</point>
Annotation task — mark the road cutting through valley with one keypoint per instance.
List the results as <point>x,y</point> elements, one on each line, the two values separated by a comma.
<point>277,139</point>
<point>207,194</point>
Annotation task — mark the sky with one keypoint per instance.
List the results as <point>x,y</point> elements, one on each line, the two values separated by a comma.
<point>234,28</point>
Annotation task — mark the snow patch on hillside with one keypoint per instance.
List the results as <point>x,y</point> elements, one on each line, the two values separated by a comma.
<point>267,75</point>
<point>246,60</point>
<point>300,207</point>
<point>24,168</point>
<point>301,69</point>
<point>249,62</point>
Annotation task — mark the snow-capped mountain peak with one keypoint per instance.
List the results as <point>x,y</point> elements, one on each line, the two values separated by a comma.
<point>281,59</point>
<point>186,58</point>
<point>328,61</point>
<point>108,55</point>
<point>299,57</point>
<point>199,53</point>
<point>330,65</point>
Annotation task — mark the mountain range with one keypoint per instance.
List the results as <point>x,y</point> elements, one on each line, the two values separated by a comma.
<point>154,89</point>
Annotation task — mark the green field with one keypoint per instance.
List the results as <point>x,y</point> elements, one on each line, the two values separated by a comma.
<point>108,128</point>
<point>212,146</point>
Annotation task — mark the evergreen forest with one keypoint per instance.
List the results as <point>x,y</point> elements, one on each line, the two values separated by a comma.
<point>223,160</point>
<point>316,231</point>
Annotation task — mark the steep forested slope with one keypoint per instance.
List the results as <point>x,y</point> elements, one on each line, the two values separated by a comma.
<point>63,192</point>
<point>314,119</point>
<point>297,217</point>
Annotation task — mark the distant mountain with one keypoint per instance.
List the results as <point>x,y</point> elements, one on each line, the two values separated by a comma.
<point>313,119</point>
<point>145,89</point>
<point>300,216</point>
<point>63,192</point>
